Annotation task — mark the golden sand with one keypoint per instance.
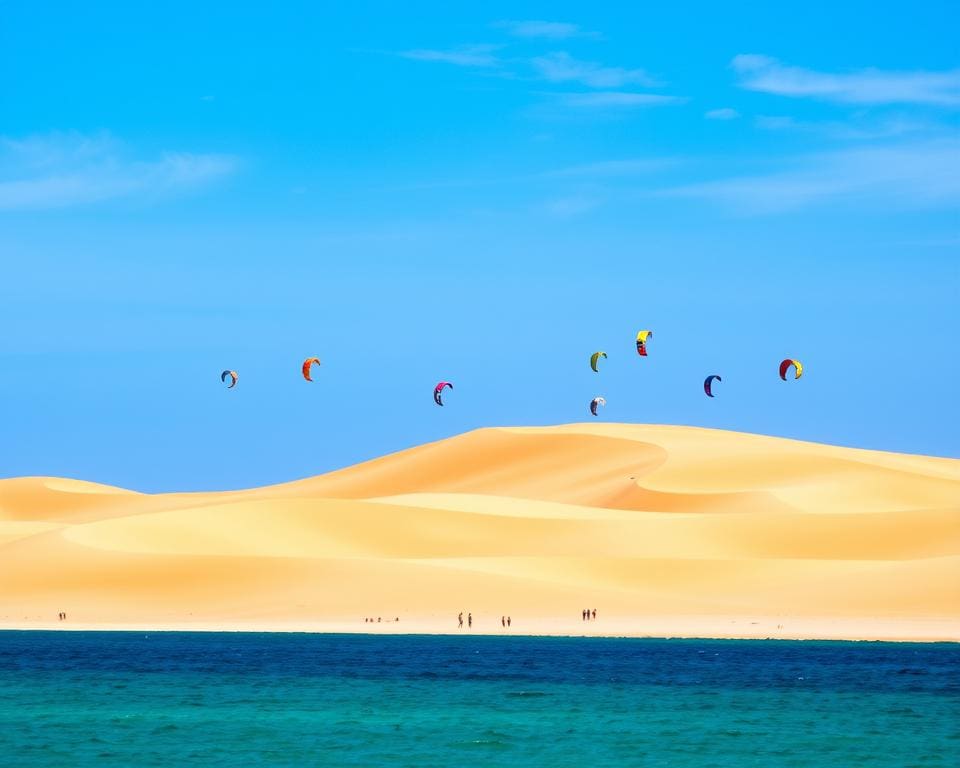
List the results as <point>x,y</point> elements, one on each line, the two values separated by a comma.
<point>664,530</point>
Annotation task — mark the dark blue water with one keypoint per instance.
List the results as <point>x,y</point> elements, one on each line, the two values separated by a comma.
<point>253,699</point>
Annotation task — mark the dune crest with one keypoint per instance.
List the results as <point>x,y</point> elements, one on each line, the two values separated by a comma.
<point>663,529</point>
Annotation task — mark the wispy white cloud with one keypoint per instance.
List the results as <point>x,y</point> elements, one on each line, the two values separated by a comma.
<point>724,113</point>
<point>607,168</point>
<point>561,67</point>
<point>62,170</point>
<point>598,171</point>
<point>777,122</point>
<point>461,56</point>
<point>610,84</point>
<point>551,30</point>
<point>853,129</point>
<point>867,86</point>
<point>616,99</point>
<point>916,175</point>
<point>571,205</point>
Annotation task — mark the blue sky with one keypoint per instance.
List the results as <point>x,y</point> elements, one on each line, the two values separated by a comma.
<point>485,195</point>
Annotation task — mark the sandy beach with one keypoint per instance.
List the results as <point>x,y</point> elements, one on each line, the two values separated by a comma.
<point>664,530</point>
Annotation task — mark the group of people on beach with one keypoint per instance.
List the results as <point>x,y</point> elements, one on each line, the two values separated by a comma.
<point>587,614</point>
<point>62,616</point>
<point>505,621</point>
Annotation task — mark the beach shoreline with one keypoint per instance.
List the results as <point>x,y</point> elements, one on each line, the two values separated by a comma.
<point>946,630</point>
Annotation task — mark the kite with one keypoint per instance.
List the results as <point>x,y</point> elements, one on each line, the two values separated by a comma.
<point>594,403</point>
<point>595,358</point>
<point>642,337</point>
<point>438,391</point>
<point>233,378</point>
<point>306,366</point>
<point>785,366</point>
<point>708,384</point>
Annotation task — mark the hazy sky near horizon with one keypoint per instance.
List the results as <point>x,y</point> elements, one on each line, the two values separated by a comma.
<point>481,194</point>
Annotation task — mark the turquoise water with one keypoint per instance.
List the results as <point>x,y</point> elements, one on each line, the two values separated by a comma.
<point>119,698</point>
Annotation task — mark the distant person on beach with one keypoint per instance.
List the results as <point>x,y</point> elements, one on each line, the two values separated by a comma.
<point>503,621</point>
<point>583,615</point>
<point>508,621</point>
<point>460,619</point>
<point>594,613</point>
<point>469,620</point>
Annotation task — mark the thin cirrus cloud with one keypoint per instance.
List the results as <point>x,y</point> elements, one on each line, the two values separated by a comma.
<point>616,99</point>
<point>549,30</point>
<point>605,87</point>
<point>603,170</point>
<point>65,170</point>
<point>854,129</point>
<point>571,205</point>
<point>561,67</point>
<point>924,175</point>
<point>461,56</point>
<point>612,168</point>
<point>867,86</point>
<point>724,113</point>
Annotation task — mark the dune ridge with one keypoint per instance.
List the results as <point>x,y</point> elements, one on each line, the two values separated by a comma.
<point>663,529</point>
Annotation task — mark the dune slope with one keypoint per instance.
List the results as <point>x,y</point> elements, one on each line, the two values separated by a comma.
<point>664,530</point>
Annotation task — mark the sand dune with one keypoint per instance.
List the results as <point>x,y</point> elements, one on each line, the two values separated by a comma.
<point>664,530</point>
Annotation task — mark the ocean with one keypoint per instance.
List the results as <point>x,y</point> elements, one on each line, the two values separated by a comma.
<point>170,698</point>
